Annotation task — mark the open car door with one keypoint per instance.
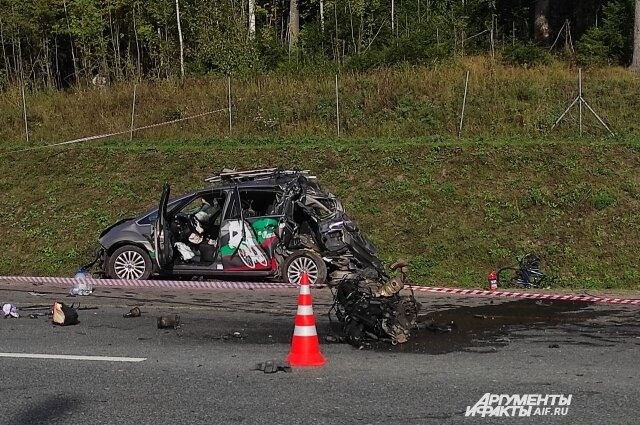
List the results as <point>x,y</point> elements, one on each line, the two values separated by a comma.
<point>161,233</point>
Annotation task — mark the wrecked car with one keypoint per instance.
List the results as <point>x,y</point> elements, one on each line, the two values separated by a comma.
<point>268,223</point>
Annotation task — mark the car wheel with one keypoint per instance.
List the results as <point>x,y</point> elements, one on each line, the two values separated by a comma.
<point>301,261</point>
<point>129,262</point>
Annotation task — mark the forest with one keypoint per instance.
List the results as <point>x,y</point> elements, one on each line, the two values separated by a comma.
<point>66,43</point>
<point>370,93</point>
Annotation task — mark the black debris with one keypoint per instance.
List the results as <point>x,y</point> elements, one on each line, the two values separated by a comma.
<point>371,308</point>
<point>64,315</point>
<point>134,312</point>
<point>333,338</point>
<point>168,322</point>
<point>273,366</point>
<point>235,335</point>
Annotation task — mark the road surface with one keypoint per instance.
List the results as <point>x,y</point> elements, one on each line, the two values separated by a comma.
<point>203,372</point>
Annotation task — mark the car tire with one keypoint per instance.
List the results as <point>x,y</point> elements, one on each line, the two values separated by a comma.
<point>304,260</point>
<point>129,262</point>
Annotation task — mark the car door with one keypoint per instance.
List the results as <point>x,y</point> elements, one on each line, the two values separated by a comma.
<point>239,246</point>
<point>161,234</point>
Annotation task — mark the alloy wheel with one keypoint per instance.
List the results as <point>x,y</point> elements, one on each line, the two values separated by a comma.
<point>129,265</point>
<point>300,265</point>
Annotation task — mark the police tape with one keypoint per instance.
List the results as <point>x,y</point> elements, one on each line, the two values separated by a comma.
<point>223,284</point>
<point>183,284</point>
<point>527,295</point>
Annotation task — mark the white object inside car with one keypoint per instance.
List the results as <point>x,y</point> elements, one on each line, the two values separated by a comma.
<point>185,252</point>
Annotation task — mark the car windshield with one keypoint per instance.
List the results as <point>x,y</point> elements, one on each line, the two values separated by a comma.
<point>151,215</point>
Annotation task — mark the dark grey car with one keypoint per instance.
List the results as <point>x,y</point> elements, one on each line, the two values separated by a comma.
<point>269,223</point>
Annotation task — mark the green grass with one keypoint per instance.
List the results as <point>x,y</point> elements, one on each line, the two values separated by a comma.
<point>404,102</point>
<point>456,209</point>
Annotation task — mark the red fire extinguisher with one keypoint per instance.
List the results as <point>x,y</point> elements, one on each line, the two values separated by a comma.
<point>493,281</point>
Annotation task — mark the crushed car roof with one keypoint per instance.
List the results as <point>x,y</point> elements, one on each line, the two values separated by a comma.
<point>258,176</point>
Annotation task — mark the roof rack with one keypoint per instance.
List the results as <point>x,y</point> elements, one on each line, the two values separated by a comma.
<point>229,175</point>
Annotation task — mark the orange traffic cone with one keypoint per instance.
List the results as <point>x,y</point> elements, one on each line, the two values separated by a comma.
<point>305,349</point>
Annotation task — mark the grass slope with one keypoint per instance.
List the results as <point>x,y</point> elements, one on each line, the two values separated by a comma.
<point>403,102</point>
<point>455,209</point>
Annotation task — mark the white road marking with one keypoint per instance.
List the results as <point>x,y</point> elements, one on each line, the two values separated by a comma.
<point>72,357</point>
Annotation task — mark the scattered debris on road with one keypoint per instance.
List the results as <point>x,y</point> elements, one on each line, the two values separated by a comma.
<point>273,366</point>
<point>79,287</point>
<point>235,335</point>
<point>10,311</point>
<point>37,307</point>
<point>64,315</point>
<point>334,339</point>
<point>168,322</point>
<point>134,312</point>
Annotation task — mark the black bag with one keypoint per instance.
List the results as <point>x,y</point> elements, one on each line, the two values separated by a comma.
<point>63,314</point>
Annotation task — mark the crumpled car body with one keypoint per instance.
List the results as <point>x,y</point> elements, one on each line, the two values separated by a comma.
<point>259,219</point>
<point>269,223</point>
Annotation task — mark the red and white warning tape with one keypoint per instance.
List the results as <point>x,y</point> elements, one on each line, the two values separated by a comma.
<point>185,284</point>
<point>220,284</point>
<point>529,295</point>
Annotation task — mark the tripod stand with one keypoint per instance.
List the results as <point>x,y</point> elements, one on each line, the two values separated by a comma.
<point>581,101</point>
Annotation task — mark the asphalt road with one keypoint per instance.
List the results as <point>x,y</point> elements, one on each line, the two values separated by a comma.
<point>202,373</point>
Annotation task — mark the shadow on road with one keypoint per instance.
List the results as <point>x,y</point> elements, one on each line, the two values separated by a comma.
<point>46,411</point>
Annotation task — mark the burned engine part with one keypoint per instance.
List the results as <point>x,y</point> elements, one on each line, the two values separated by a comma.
<point>396,284</point>
<point>371,310</point>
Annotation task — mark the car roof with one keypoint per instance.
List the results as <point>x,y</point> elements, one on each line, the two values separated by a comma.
<point>264,177</point>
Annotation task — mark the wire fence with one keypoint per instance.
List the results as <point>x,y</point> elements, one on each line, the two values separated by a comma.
<point>408,111</point>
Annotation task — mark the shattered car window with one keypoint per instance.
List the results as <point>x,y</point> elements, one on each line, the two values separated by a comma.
<point>234,208</point>
<point>258,203</point>
<point>323,208</point>
<point>151,217</point>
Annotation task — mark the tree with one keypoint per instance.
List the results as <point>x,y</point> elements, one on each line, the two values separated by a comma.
<point>611,42</point>
<point>542,30</point>
<point>294,23</point>
<point>252,18</point>
<point>180,39</point>
<point>635,63</point>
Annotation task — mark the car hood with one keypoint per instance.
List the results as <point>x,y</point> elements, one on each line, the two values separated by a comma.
<point>114,225</point>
